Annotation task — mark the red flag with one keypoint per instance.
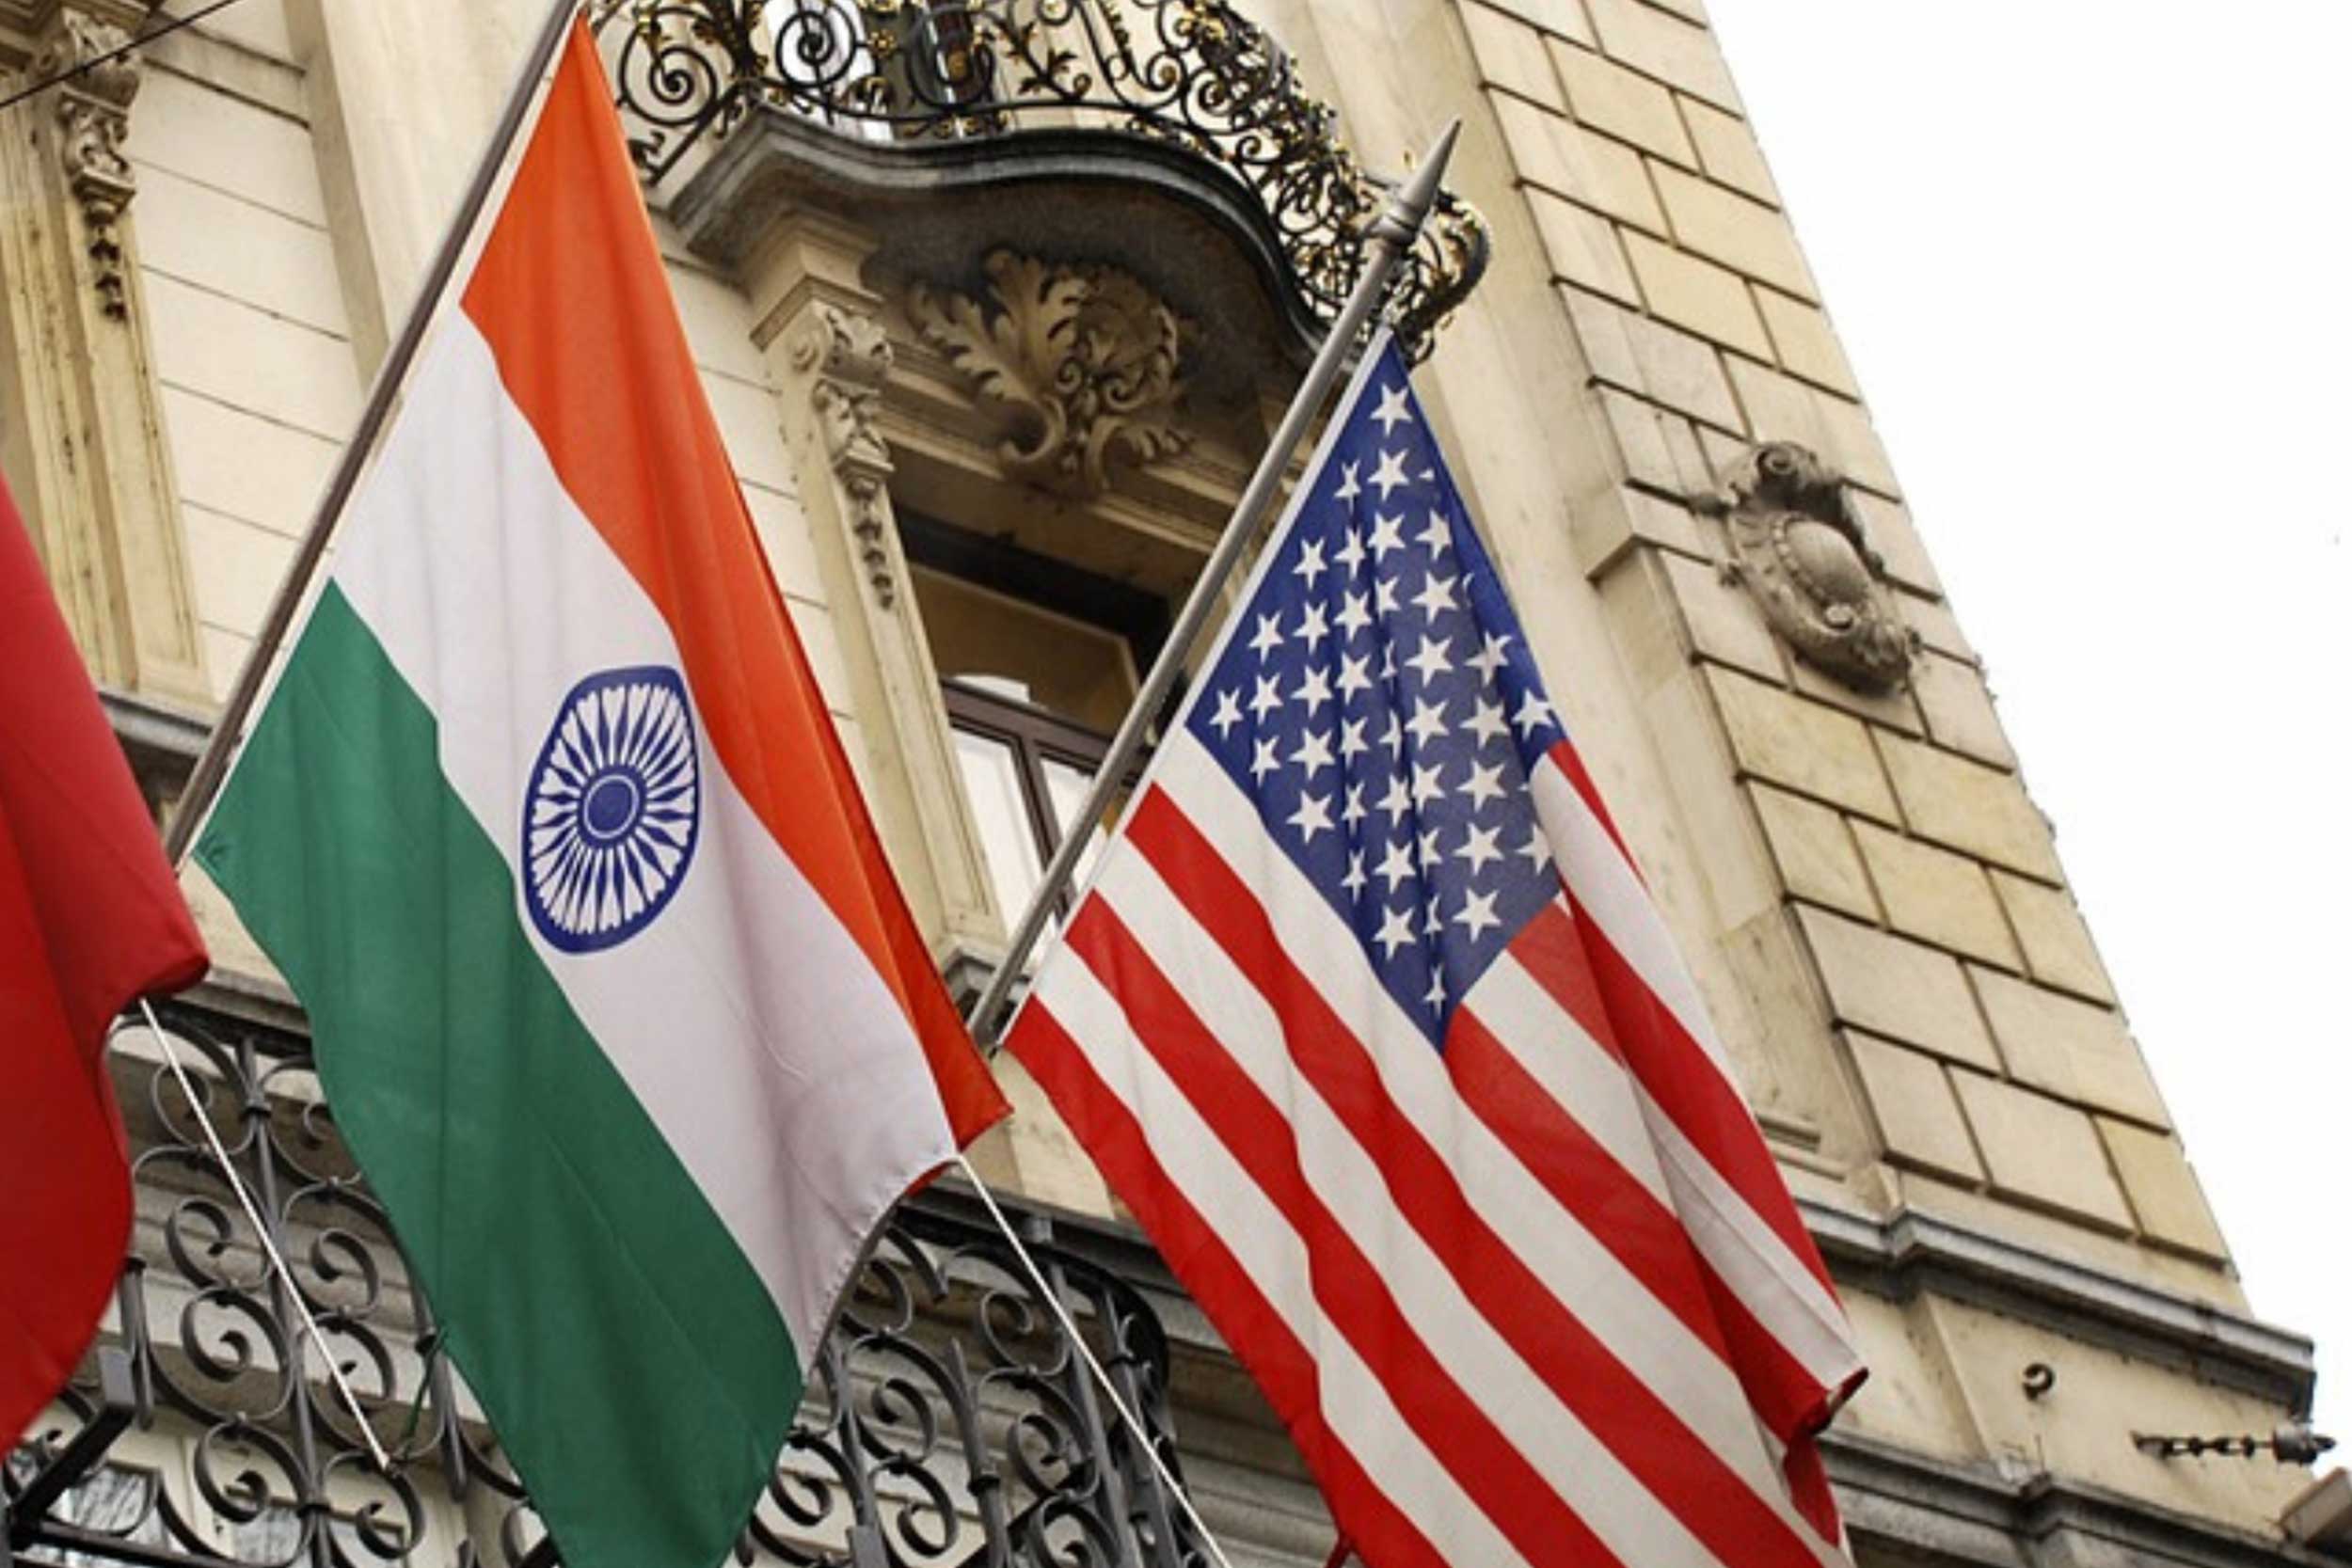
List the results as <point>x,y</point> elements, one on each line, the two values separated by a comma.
<point>91,918</point>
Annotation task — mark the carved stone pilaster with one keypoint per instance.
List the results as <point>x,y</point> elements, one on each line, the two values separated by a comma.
<point>1800,550</point>
<point>91,116</point>
<point>1081,362</point>
<point>848,352</point>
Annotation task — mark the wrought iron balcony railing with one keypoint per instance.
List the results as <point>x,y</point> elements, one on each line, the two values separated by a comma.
<point>1193,73</point>
<point>948,1421</point>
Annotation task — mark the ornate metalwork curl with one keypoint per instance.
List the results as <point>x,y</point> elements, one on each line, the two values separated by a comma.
<point>947,1420</point>
<point>1193,73</point>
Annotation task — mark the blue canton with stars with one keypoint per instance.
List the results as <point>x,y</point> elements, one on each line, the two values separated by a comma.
<point>1377,704</point>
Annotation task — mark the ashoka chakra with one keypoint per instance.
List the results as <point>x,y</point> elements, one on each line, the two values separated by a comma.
<point>610,812</point>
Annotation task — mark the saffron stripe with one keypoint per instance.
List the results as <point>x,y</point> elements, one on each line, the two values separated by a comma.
<point>571,296</point>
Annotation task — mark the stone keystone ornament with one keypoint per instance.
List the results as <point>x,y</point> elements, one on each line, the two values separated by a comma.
<point>1800,550</point>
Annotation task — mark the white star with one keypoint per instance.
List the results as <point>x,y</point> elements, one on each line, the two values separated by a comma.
<point>1437,593</point>
<point>1352,743</point>
<point>1393,736</point>
<point>1312,628</point>
<point>1228,712</point>
<point>1396,800</point>
<point>1314,688</point>
<point>1354,880</point>
<point>1487,660</point>
<point>1476,913</point>
<point>1268,636</point>
<point>1392,411</point>
<point>1396,864</point>
<point>1535,852</point>
<point>1432,923</point>
<point>1435,996</point>
<point>1263,760</point>
<point>1478,848</point>
<point>1427,784</point>
<point>1533,714</point>
<point>1350,554</point>
<point>1431,853</point>
<point>1487,721</point>
<point>1355,613</point>
<point>1352,809</point>
<point>1436,536</point>
<point>1355,673</point>
<point>1310,564</point>
<point>1389,474</point>
<point>1427,723</point>
<point>1485,784</point>
<point>1266,699</point>
<point>1388,659</point>
<point>1429,661</point>
<point>1348,489</point>
<point>1384,596</point>
<point>1313,754</point>
<point>1313,817</point>
<point>1388,533</point>
<point>1396,930</point>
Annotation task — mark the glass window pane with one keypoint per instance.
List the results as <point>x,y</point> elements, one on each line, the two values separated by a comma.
<point>991,781</point>
<point>1065,786</point>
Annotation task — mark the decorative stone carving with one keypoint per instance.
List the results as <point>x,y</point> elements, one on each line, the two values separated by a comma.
<point>1082,361</point>
<point>93,115</point>
<point>849,355</point>
<point>1800,551</point>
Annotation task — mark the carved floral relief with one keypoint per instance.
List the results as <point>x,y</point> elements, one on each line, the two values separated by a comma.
<point>93,116</point>
<point>1081,362</point>
<point>1799,548</point>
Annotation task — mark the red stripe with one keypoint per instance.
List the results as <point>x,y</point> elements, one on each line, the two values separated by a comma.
<point>1648,1437</point>
<point>1482,1458</point>
<point>1241,1312</point>
<point>1622,1214</point>
<point>1683,1080</point>
<point>1549,948</point>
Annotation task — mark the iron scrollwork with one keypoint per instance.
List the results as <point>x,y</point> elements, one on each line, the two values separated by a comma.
<point>948,1418</point>
<point>1193,73</point>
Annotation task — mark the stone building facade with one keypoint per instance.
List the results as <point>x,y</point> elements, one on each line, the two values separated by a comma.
<point>206,247</point>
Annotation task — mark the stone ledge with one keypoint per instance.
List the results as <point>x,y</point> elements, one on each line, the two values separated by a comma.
<point>1917,1251</point>
<point>1902,1500</point>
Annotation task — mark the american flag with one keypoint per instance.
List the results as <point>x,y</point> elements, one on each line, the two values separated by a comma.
<point>1368,1016</point>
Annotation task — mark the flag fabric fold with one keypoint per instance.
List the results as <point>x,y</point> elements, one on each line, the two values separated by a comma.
<point>614,997</point>
<point>1368,1015</point>
<point>91,920</point>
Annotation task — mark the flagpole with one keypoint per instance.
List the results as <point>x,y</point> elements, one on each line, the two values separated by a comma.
<point>1392,236</point>
<point>211,764</point>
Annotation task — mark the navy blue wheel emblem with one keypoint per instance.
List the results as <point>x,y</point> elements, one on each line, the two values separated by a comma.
<point>611,809</point>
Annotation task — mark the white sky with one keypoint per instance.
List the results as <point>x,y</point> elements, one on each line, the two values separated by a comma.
<point>2089,260</point>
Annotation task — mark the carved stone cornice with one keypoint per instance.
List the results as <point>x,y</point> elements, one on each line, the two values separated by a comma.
<point>91,112</point>
<point>848,353</point>
<point>1800,550</point>
<point>1081,362</point>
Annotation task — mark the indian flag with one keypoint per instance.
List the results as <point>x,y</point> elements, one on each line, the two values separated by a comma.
<point>614,997</point>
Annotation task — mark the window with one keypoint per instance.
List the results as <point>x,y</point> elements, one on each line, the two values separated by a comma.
<point>1038,663</point>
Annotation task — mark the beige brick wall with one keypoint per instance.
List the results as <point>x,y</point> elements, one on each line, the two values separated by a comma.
<point>1952,973</point>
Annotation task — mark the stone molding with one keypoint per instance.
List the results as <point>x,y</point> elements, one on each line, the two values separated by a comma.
<point>93,116</point>
<point>1080,362</point>
<point>848,354</point>
<point>1915,1251</point>
<point>1799,548</point>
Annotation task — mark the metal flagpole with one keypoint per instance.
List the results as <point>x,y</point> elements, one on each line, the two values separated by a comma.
<point>211,766</point>
<point>1069,1326</point>
<point>1392,235</point>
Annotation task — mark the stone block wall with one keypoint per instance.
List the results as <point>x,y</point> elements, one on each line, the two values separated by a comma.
<point>1952,977</point>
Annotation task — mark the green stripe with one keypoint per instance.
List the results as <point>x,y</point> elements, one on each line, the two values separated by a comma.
<point>638,1373</point>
